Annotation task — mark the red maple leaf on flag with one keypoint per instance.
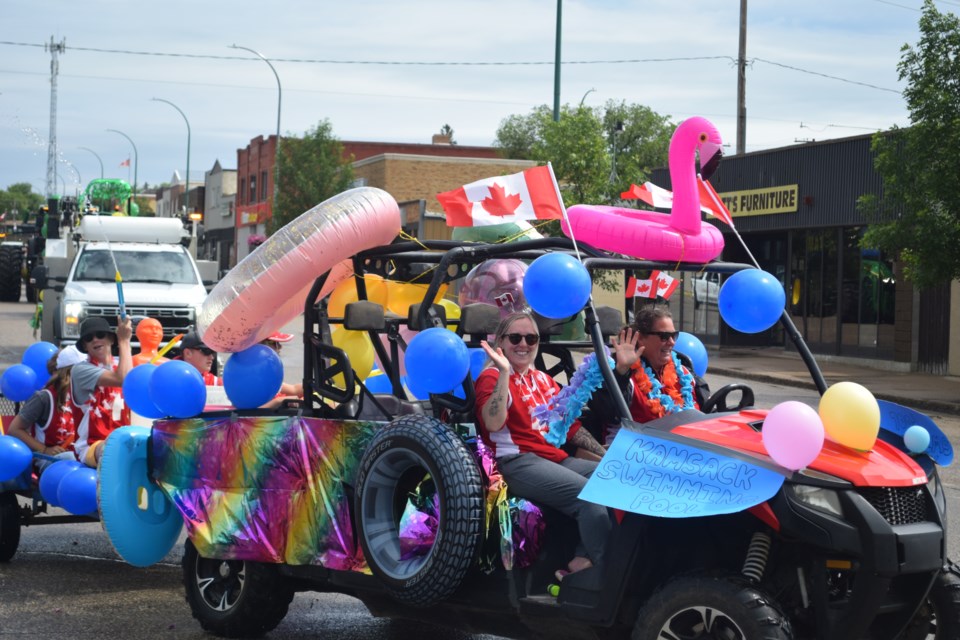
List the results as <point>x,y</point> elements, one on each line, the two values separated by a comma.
<point>661,284</point>
<point>643,288</point>
<point>498,203</point>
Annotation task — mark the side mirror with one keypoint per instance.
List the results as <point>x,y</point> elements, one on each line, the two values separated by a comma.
<point>38,277</point>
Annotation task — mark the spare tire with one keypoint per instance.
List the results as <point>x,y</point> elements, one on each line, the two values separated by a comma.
<point>411,453</point>
<point>11,272</point>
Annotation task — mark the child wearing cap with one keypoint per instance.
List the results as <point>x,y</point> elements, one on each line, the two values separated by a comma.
<point>47,422</point>
<point>196,353</point>
<point>96,384</point>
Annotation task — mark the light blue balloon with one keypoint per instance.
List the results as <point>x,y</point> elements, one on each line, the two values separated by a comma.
<point>916,439</point>
<point>253,376</point>
<point>751,301</point>
<point>557,286</point>
<point>690,346</point>
<point>437,361</point>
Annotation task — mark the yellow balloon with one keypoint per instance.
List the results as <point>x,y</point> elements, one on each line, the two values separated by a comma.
<point>400,295</point>
<point>850,415</point>
<point>346,292</point>
<point>453,311</point>
<point>359,349</point>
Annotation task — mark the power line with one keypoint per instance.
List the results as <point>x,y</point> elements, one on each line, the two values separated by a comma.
<point>451,63</point>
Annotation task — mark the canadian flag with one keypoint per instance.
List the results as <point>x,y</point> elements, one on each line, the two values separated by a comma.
<point>125,163</point>
<point>529,195</point>
<point>660,198</point>
<point>639,288</point>
<point>664,283</point>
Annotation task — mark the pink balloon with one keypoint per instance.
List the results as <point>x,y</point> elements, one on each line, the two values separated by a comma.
<point>793,434</point>
<point>497,282</point>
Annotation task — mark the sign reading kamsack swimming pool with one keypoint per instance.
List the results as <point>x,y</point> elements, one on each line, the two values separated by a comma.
<point>652,476</point>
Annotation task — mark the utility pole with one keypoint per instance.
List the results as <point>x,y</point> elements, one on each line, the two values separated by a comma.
<point>742,82</point>
<point>54,49</point>
<point>556,66</point>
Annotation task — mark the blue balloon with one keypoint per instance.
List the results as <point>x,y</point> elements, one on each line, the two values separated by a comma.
<point>36,357</point>
<point>379,384</point>
<point>556,285</point>
<point>18,382</point>
<point>751,301</point>
<point>416,390</point>
<point>77,492</point>
<point>478,358</point>
<point>437,360</point>
<point>136,392</point>
<point>916,439</point>
<point>690,346</point>
<point>177,389</point>
<point>253,376</point>
<point>15,458</point>
<point>52,476</point>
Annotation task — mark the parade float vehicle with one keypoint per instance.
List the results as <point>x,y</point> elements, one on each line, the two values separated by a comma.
<point>365,490</point>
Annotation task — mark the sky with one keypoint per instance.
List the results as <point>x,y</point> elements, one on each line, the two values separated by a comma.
<point>398,71</point>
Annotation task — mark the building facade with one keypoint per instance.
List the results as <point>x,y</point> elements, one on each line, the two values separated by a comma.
<point>219,217</point>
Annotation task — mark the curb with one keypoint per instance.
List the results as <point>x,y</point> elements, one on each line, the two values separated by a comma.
<point>934,406</point>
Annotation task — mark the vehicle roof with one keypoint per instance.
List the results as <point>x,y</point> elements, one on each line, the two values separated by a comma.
<point>135,246</point>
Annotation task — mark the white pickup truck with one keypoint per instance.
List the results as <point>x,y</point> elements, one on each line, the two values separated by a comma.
<point>161,279</point>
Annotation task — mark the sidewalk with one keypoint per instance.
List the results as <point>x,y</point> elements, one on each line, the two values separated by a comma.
<point>921,391</point>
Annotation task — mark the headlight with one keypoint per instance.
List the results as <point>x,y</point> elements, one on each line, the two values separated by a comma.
<point>819,498</point>
<point>72,315</point>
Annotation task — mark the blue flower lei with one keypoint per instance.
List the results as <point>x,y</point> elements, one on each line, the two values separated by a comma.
<point>686,387</point>
<point>564,408</point>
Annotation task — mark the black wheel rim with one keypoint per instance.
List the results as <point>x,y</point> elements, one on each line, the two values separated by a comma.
<point>701,623</point>
<point>220,582</point>
<point>392,478</point>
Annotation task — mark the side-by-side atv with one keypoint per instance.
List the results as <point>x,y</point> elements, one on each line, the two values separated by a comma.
<point>393,500</point>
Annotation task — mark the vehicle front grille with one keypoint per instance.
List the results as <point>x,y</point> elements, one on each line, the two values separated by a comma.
<point>898,505</point>
<point>175,320</point>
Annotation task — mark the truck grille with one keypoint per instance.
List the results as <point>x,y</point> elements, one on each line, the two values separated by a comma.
<point>898,505</point>
<point>175,320</point>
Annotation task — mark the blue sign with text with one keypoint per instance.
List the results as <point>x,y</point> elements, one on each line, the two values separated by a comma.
<point>897,418</point>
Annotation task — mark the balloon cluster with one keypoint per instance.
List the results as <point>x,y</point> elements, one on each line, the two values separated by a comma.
<point>65,483</point>
<point>175,388</point>
<point>21,380</point>
<point>751,301</point>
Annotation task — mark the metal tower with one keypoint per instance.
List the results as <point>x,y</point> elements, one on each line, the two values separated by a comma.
<point>54,49</point>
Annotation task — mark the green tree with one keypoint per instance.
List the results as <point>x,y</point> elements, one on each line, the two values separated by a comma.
<point>312,169</point>
<point>20,197</point>
<point>919,213</point>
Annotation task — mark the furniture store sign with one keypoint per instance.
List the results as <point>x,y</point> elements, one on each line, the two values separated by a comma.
<point>761,202</point>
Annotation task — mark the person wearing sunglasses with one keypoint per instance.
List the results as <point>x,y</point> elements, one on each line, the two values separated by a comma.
<point>649,371</point>
<point>194,352</point>
<point>507,390</point>
<point>96,384</point>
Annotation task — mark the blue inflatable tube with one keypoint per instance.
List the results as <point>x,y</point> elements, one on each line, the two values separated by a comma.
<point>140,520</point>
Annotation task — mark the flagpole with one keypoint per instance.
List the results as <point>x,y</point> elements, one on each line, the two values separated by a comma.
<point>715,197</point>
<point>563,210</point>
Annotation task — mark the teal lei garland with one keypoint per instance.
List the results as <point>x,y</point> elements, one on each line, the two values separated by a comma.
<point>564,408</point>
<point>686,387</point>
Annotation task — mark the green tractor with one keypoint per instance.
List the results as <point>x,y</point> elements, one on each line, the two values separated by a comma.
<point>110,196</point>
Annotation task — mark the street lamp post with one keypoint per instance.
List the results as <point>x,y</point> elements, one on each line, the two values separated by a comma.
<point>186,184</point>
<point>97,157</point>
<point>617,130</point>
<point>276,176</point>
<point>136,158</point>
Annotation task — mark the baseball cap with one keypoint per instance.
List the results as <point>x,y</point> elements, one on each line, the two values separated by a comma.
<point>90,326</point>
<point>70,356</point>
<point>192,341</point>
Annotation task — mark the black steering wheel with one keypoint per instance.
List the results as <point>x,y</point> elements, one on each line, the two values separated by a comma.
<point>717,402</point>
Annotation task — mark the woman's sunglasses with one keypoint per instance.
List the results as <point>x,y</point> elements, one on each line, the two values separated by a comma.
<point>665,335</point>
<point>515,338</point>
<point>98,335</point>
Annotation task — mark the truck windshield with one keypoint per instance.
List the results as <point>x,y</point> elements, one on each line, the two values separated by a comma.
<point>172,267</point>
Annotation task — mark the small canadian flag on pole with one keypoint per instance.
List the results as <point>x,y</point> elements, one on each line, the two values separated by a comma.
<point>529,195</point>
<point>125,163</point>
<point>658,285</point>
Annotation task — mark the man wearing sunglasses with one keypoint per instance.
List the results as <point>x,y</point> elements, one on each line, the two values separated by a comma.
<point>96,384</point>
<point>651,374</point>
<point>195,353</point>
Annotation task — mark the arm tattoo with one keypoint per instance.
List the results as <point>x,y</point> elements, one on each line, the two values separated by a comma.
<point>585,440</point>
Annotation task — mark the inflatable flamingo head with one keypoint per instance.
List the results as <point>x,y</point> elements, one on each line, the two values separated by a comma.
<point>700,135</point>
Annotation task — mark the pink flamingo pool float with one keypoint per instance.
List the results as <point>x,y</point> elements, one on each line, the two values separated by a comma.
<point>676,236</point>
